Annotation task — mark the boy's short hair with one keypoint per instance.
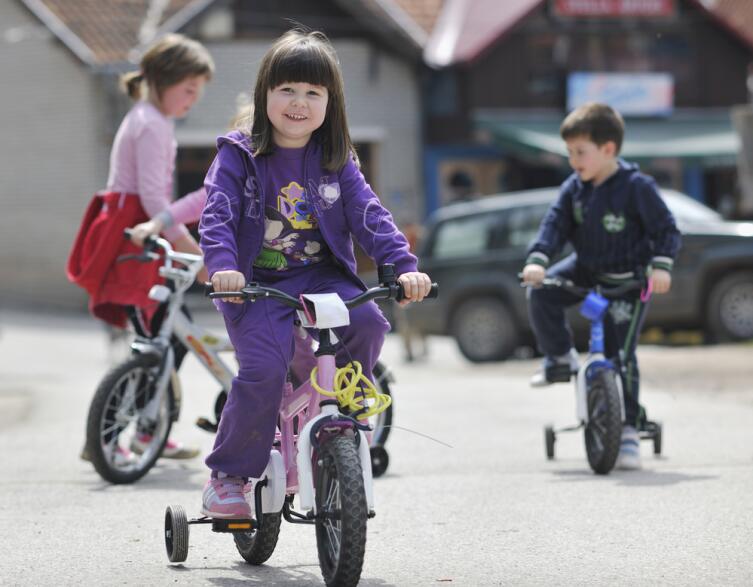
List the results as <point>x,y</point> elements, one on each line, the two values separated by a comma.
<point>597,122</point>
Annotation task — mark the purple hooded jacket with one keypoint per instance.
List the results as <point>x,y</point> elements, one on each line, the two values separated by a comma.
<point>232,224</point>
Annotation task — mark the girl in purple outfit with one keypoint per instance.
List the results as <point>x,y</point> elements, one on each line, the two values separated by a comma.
<point>284,196</point>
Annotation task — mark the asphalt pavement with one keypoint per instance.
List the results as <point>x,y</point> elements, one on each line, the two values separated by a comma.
<point>469,498</point>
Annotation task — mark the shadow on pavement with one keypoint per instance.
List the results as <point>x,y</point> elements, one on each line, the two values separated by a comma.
<point>648,478</point>
<point>269,575</point>
<point>644,477</point>
<point>173,478</point>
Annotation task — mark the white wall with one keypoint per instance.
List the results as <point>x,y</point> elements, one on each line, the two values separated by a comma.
<point>52,159</point>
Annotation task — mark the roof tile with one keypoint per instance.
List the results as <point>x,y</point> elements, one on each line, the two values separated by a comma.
<point>109,28</point>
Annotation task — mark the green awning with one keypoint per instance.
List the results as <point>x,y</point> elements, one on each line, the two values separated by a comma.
<point>710,138</point>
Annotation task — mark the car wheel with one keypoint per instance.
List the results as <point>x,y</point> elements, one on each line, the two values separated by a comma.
<point>484,330</point>
<point>730,309</point>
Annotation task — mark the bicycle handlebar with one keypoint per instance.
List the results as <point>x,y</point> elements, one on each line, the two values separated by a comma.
<point>150,247</point>
<point>254,291</point>
<point>607,292</point>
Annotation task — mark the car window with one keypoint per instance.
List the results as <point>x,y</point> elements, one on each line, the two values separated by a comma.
<point>688,211</point>
<point>463,237</point>
<point>523,224</point>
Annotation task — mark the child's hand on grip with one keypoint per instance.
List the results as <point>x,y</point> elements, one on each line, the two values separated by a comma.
<point>229,281</point>
<point>416,286</point>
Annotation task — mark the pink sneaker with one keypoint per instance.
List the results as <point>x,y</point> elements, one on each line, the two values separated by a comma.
<point>224,498</point>
<point>172,450</point>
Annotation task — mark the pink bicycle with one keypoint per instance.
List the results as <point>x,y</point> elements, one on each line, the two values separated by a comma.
<point>321,451</point>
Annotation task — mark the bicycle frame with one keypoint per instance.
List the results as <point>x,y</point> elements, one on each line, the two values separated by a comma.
<point>290,470</point>
<point>198,340</point>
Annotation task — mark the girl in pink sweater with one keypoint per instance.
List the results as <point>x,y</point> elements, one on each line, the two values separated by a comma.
<point>173,73</point>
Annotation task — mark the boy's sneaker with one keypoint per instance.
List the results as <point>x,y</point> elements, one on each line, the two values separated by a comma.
<point>629,457</point>
<point>172,450</point>
<point>224,498</point>
<point>556,369</point>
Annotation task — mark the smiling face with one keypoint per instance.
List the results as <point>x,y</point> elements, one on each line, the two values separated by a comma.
<point>296,110</point>
<point>590,161</point>
<point>178,99</point>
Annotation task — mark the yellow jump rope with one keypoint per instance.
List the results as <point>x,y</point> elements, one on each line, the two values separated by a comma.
<point>352,396</point>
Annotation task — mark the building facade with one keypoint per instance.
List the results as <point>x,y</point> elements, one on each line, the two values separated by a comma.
<point>673,67</point>
<point>61,108</point>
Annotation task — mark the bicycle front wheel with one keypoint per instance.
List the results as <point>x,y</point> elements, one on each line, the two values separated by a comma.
<point>122,414</point>
<point>341,511</point>
<point>604,428</point>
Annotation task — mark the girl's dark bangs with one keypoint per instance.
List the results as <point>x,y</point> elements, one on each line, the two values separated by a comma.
<point>305,64</point>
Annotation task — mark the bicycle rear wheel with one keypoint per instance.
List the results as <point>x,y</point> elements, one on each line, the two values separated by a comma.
<point>258,545</point>
<point>604,428</point>
<point>382,422</point>
<point>341,509</point>
<point>118,414</point>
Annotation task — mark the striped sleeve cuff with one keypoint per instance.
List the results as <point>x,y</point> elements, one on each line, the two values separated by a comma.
<point>665,263</point>
<point>537,258</point>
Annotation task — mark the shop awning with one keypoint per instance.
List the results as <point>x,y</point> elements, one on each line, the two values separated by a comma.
<point>708,138</point>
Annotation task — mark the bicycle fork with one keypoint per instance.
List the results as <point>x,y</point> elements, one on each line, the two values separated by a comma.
<point>329,416</point>
<point>596,361</point>
<point>166,364</point>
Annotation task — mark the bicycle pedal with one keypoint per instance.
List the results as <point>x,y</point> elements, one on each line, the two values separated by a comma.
<point>220,525</point>
<point>207,425</point>
<point>558,373</point>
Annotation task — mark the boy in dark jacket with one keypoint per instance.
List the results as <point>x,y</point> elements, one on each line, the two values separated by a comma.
<point>620,227</point>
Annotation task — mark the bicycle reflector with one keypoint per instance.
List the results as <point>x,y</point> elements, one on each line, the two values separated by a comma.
<point>594,306</point>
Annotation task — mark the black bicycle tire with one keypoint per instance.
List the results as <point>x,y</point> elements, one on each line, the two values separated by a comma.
<point>176,534</point>
<point>337,458</point>
<point>99,404</point>
<point>258,545</point>
<point>384,420</point>
<point>603,461</point>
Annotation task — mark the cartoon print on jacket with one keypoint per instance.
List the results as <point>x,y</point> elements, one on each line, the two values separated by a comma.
<point>288,231</point>
<point>293,205</point>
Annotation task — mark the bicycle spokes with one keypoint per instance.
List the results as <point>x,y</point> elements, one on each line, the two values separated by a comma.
<point>331,515</point>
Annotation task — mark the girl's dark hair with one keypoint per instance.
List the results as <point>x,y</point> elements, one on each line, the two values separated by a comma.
<point>597,122</point>
<point>308,57</point>
<point>169,61</point>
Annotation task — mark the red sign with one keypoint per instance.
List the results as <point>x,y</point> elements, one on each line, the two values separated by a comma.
<point>611,8</point>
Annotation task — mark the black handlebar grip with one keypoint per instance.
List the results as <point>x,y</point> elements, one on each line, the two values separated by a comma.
<point>150,242</point>
<point>208,288</point>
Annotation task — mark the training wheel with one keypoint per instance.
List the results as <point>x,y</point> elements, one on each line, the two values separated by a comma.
<point>657,438</point>
<point>549,439</point>
<point>176,533</point>
<point>380,460</point>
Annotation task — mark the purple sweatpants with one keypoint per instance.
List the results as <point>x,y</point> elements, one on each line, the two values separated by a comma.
<point>262,334</point>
